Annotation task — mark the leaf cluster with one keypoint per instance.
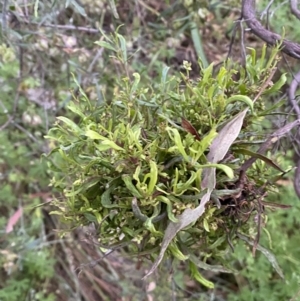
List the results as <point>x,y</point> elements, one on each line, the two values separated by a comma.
<point>135,164</point>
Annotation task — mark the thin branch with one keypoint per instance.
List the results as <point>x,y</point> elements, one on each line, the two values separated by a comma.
<point>22,129</point>
<point>292,98</point>
<point>278,7</point>
<point>265,85</point>
<point>297,179</point>
<point>66,27</point>
<point>259,223</point>
<point>23,21</point>
<point>292,93</point>
<point>57,26</point>
<point>232,39</point>
<point>266,10</point>
<point>272,139</point>
<point>2,127</point>
<point>4,15</point>
<point>243,48</point>
<point>248,14</point>
<point>294,9</point>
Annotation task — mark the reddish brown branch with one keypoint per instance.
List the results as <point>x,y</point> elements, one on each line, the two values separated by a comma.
<point>294,9</point>
<point>273,138</point>
<point>248,14</point>
<point>292,98</point>
<point>292,93</point>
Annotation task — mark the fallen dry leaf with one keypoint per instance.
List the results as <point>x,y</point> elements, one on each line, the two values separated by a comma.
<point>13,220</point>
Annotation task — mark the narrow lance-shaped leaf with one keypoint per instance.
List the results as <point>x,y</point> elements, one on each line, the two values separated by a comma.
<point>135,84</point>
<point>189,128</point>
<point>242,98</point>
<point>122,42</point>
<point>106,45</point>
<point>163,80</point>
<point>259,156</point>
<point>197,276</point>
<point>113,8</point>
<point>178,142</point>
<point>106,143</point>
<point>277,86</point>
<point>71,125</point>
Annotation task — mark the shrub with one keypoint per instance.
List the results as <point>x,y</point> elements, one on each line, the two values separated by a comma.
<point>145,164</point>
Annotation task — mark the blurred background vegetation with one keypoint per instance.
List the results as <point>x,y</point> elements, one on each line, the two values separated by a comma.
<point>42,43</point>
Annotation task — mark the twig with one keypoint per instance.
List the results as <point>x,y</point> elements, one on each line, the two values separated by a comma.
<point>248,13</point>
<point>2,127</point>
<point>266,83</point>
<point>273,138</point>
<point>292,99</point>
<point>297,179</point>
<point>292,91</point>
<point>278,7</point>
<point>4,15</point>
<point>57,26</point>
<point>25,132</point>
<point>294,9</point>
<point>69,27</point>
<point>259,212</point>
<point>266,10</point>
<point>95,59</point>
<point>9,117</point>
<point>232,39</point>
<point>243,48</point>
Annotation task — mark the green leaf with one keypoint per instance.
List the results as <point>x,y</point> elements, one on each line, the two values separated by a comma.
<point>113,8</point>
<point>85,98</point>
<point>242,98</point>
<point>90,217</point>
<point>207,73</point>
<point>176,252</point>
<point>112,145</point>
<point>178,142</point>
<point>197,276</point>
<point>71,125</point>
<point>253,55</point>
<point>197,41</point>
<point>77,7</point>
<point>163,79</point>
<point>106,45</point>
<point>135,84</point>
<point>262,57</point>
<point>259,156</point>
<point>75,109</point>
<point>149,226</point>
<point>105,144</point>
<point>277,86</point>
<point>153,176</point>
<point>123,47</point>
<point>106,198</point>
<point>128,182</point>
<point>169,208</point>
<point>102,147</point>
<point>225,168</point>
<point>94,135</point>
<point>205,225</point>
